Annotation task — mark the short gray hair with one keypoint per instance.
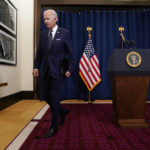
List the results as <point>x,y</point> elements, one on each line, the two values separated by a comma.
<point>53,12</point>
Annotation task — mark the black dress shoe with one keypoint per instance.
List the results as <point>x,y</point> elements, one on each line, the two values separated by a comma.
<point>63,116</point>
<point>50,133</point>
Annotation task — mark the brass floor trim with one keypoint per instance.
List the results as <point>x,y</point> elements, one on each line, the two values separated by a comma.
<point>75,101</point>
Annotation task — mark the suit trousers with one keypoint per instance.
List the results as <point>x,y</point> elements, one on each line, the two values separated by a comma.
<point>53,94</point>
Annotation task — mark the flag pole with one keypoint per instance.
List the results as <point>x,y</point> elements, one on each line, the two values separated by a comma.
<point>89,100</point>
<point>89,29</point>
<point>121,29</point>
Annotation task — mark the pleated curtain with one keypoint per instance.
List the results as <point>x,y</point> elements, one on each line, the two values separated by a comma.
<point>106,38</point>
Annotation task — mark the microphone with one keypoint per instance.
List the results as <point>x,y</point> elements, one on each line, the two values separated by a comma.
<point>132,42</point>
<point>127,41</point>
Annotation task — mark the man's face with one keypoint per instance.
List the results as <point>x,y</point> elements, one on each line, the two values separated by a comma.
<point>49,19</point>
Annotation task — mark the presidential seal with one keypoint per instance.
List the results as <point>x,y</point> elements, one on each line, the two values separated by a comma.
<point>133,59</point>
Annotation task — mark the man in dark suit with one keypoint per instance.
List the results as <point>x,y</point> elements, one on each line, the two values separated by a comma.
<point>54,44</point>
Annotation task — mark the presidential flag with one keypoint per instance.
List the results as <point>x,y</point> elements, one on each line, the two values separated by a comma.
<point>89,66</point>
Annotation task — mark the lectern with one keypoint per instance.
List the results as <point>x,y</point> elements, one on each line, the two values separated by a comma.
<point>129,71</point>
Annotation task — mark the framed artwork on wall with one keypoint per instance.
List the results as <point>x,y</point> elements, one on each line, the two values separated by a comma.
<point>8,33</point>
<point>8,16</point>
<point>7,48</point>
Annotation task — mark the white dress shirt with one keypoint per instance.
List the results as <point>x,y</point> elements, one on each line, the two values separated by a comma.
<point>54,31</point>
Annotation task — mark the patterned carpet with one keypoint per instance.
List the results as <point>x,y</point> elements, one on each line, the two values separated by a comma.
<point>88,127</point>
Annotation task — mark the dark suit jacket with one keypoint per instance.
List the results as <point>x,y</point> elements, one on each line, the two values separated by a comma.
<point>52,57</point>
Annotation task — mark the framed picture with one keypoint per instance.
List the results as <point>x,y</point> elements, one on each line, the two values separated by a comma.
<point>8,16</point>
<point>8,33</point>
<point>7,48</point>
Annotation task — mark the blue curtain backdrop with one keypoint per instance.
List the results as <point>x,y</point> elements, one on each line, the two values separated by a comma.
<point>106,38</point>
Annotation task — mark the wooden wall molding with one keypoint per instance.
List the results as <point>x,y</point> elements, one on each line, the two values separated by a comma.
<point>94,2</point>
<point>14,98</point>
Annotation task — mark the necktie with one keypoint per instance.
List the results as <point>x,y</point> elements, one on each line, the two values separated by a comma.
<point>50,38</point>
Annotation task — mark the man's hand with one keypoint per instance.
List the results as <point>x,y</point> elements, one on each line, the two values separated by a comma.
<point>35,72</point>
<point>68,74</point>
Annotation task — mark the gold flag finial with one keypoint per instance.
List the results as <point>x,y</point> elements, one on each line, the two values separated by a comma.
<point>121,29</point>
<point>89,29</point>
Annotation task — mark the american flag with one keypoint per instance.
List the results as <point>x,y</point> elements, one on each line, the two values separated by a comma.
<point>89,66</point>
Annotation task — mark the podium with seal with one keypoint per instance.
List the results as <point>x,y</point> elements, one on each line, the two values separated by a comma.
<point>129,71</point>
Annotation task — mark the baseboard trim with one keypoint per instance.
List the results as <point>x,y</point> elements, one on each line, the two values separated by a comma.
<point>14,98</point>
